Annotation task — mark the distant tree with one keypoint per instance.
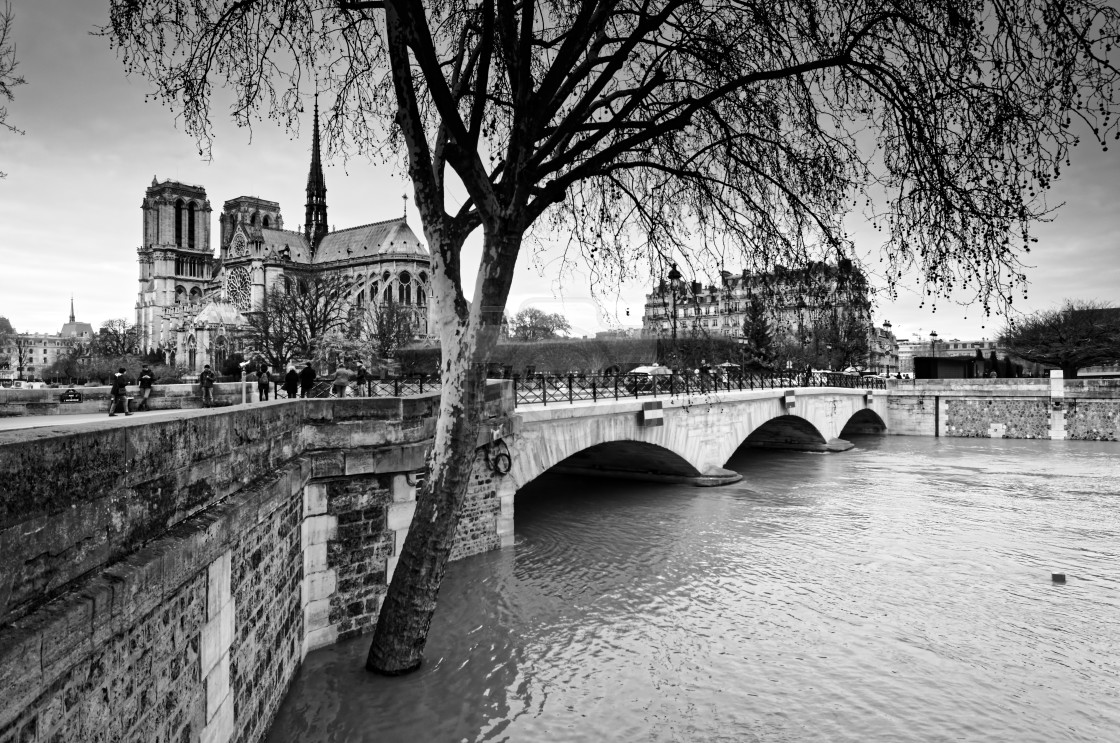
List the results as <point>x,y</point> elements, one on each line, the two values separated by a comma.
<point>532,324</point>
<point>115,338</point>
<point>756,331</point>
<point>847,334</point>
<point>386,326</point>
<point>8,63</point>
<point>993,364</point>
<point>21,354</point>
<point>7,336</point>
<point>270,328</point>
<point>1077,335</point>
<point>293,319</point>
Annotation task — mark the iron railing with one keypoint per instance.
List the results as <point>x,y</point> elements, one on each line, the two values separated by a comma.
<point>544,389</point>
<point>551,389</point>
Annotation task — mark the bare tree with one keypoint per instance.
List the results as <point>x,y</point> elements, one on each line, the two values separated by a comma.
<point>1076,335</point>
<point>655,131</point>
<point>294,318</point>
<point>385,326</point>
<point>8,63</point>
<point>116,338</point>
<point>271,328</point>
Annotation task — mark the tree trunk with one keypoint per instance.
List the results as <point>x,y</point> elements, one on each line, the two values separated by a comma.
<point>402,627</point>
<point>467,341</point>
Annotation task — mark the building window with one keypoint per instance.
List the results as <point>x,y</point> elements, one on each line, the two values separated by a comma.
<point>404,289</point>
<point>190,225</point>
<point>179,223</point>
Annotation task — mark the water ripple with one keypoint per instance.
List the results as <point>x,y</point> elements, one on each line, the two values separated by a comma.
<point>898,592</point>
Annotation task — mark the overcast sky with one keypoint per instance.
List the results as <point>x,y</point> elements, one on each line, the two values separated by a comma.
<point>70,216</point>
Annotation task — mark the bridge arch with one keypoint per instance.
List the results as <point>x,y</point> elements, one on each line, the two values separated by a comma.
<point>627,458</point>
<point>865,421</point>
<point>786,432</point>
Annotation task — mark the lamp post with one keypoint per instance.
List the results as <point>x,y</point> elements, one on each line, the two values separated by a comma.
<point>933,342</point>
<point>828,348</point>
<point>674,287</point>
<point>890,344</point>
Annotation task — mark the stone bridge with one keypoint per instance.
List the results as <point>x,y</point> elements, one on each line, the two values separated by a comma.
<point>685,439</point>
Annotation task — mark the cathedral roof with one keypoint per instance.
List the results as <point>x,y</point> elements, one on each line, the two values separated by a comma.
<point>392,238</point>
<point>277,240</point>
<point>219,313</point>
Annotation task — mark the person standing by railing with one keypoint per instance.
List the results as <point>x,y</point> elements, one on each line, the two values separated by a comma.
<point>360,380</point>
<point>263,379</point>
<point>306,380</point>
<point>291,382</point>
<point>206,386</point>
<point>341,381</point>
<point>117,393</point>
<point>146,380</point>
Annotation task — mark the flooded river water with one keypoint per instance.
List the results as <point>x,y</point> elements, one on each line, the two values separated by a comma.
<point>900,591</point>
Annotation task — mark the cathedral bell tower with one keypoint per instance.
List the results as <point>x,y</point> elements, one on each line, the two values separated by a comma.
<point>315,222</point>
<point>175,257</point>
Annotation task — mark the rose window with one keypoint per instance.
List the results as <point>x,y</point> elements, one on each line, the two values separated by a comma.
<point>239,288</point>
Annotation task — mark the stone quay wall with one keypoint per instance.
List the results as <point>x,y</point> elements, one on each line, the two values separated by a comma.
<point>164,581</point>
<point>1033,408</point>
<point>96,399</point>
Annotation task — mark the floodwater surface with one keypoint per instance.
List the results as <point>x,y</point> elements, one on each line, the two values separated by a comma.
<point>900,591</point>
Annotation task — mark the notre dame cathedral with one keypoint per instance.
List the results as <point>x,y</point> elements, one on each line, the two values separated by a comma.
<point>192,304</point>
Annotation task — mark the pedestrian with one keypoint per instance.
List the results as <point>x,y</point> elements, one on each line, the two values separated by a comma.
<point>306,379</point>
<point>117,393</point>
<point>341,380</point>
<point>705,375</point>
<point>206,385</point>
<point>291,382</point>
<point>360,380</point>
<point>146,380</point>
<point>263,380</point>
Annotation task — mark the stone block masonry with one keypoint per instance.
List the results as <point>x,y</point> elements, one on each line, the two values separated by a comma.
<point>1036,408</point>
<point>164,581</point>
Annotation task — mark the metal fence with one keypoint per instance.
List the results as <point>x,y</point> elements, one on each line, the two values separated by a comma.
<point>551,389</point>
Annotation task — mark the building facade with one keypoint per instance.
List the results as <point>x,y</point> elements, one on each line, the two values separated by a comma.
<point>28,355</point>
<point>803,309</point>
<point>192,303</point>
<point>933,347</point>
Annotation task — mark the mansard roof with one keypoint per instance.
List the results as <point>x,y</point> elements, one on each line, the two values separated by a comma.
<point>392,238</point>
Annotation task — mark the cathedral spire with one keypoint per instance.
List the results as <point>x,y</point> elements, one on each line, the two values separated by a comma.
<point>71,308</point>
<point>315,222</point>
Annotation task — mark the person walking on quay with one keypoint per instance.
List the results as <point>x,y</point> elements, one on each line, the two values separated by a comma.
<point>360,380</point>
<point>291,382</point>
<point>306,379</point>
<point>341,380</point>
<point>263,380</point>
<point>206,384</point>
<point>117,393</point>
<point>146,380</point>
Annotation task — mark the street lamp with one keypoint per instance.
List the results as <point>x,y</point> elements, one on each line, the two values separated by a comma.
<point>933,342</point>
<point>674,287</point>
<point>828,348</point>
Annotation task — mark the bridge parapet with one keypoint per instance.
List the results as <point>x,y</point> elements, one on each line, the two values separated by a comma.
<point>163,577</point>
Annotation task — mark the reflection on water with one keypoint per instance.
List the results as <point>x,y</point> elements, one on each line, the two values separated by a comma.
<point>897,592</point>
